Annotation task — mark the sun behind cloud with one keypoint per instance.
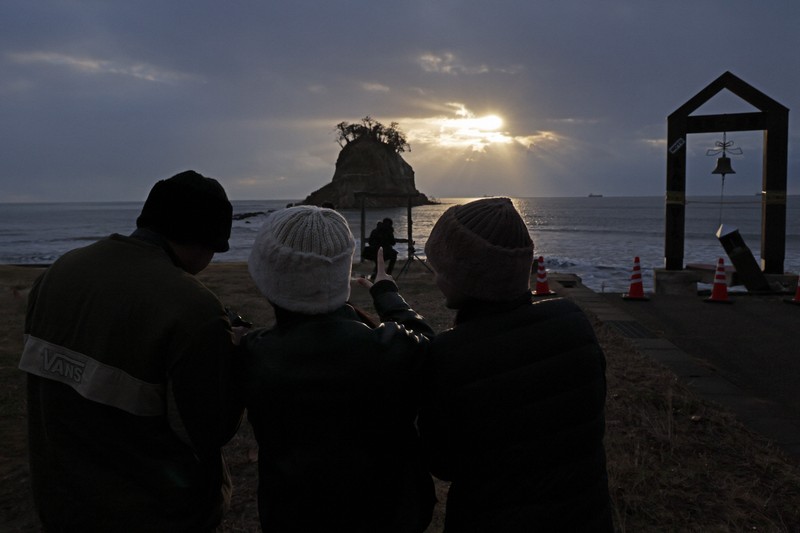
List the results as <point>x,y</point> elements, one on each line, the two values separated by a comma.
<point>463,130</point>
<point>461,152</point>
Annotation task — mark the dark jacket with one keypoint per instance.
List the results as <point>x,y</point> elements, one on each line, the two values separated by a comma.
<point>129,388</point>
<point>515,419</point>
<point>332,403</point>
<point>381,236</point>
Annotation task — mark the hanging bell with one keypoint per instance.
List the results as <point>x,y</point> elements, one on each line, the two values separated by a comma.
<point>723,166</point>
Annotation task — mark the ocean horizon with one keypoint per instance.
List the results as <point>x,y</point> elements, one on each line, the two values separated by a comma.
<point>594,237</point>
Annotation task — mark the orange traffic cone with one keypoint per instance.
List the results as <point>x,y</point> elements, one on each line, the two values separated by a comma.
<point>719,292</point>
<point>796,299</point>
<point>636,290</point>
<point>542,287</point>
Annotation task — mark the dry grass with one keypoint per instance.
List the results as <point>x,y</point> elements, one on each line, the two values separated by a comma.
<point>676,463</point>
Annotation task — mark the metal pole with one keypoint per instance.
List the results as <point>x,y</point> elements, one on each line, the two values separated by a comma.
<point>410,224</point>
<point>363,224</point>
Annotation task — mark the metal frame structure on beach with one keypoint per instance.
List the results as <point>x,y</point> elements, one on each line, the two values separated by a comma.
<point>412,256</point>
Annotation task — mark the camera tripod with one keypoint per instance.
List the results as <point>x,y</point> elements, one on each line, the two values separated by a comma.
<point>412,256</point>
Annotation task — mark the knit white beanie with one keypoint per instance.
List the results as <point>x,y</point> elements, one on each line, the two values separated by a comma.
<point>302,258</point>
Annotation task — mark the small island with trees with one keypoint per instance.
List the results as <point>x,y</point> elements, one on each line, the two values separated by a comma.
<point>370,164</point>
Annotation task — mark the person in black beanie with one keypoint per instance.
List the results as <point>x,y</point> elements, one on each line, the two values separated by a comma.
<point>187,210</point>
<point>514,414</point>
<point>129,360</point>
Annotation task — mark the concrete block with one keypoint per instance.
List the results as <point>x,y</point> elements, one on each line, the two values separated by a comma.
<point>675,282</point>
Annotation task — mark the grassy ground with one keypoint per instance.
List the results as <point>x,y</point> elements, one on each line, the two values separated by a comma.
<point>676,463</point>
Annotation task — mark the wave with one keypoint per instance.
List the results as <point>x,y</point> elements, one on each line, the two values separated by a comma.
<point>595,238</point>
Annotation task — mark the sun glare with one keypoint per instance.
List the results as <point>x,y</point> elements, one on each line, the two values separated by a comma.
<point>471,132</point>
<point>487,123</point>
<point>463,131</point>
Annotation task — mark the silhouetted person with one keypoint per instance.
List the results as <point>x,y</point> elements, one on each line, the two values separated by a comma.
<point>516,399</point>
<point>333,400</point>
<point>129,383</point>
<point>383,237</point>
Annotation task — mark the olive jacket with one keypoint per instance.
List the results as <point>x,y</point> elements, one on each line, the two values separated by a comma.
<point>129,363</point>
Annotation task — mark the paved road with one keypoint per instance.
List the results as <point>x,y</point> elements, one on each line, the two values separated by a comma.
<point>744,355</point>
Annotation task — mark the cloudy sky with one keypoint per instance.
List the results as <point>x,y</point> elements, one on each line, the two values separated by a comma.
<point>99,99</point>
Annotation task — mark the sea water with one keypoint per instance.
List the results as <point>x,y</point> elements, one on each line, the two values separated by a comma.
<point>596,238</point>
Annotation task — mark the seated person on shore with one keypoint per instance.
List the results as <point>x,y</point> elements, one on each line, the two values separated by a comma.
<point>514,414</point>
<point>332,400</point>
<point>382,237</point>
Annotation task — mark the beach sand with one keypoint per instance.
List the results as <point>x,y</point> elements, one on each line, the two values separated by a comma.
<point>676,463</point>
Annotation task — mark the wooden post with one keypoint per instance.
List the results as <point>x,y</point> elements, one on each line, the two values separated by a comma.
<point>675,200</point>
<point>773,193</point>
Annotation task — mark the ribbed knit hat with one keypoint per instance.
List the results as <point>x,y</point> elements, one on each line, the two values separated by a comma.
<point>189,208</point>
<point>302,258</point>
<point>482,249</point>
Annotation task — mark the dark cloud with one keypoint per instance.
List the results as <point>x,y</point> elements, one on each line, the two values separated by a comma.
<point>98,99</point>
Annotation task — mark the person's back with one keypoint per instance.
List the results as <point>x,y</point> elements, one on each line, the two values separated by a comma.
<point>515,419</point>
<point>332,400</point>
<point>126,355</point>
<point>515,412</point>
<point>382,237</point>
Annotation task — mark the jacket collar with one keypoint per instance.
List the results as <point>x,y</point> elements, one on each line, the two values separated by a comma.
<point>154,238</point>
<point>476,309</point>
<point>286,318</point>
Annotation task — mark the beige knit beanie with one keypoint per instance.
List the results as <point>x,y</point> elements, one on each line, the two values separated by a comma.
<point>302,258</point>
<point>482,249</point>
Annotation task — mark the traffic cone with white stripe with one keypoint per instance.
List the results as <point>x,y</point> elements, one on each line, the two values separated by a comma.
<point>636,290</point>
<point>796,299</point>
<point>719,291</point>
<point>542,287</point>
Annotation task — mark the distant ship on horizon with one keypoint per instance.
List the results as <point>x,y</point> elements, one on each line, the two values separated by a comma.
<point>593,195</point>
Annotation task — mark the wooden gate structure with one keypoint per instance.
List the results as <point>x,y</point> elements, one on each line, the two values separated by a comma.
<point>773,119</point>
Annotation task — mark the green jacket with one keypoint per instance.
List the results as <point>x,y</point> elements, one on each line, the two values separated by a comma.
<point>129,399</point>
<point>332,402</point>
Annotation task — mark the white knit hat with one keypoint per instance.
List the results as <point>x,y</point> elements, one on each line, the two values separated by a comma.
<point>302,258</point>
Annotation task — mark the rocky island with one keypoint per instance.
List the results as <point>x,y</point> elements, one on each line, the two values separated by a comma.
<point>370,166</point>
